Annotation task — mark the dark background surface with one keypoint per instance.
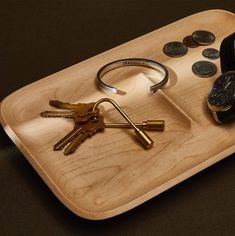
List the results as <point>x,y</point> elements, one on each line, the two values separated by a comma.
<point>38,38</point>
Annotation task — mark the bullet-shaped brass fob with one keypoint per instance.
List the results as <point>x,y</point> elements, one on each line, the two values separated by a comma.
<point>144,139</point>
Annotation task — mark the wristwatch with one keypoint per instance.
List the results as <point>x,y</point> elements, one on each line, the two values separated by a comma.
<point>221,98</point>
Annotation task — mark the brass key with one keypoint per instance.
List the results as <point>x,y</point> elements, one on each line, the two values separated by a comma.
<point>77,130</point>
<point>59,114</point>
<point>66,139</point>
<point>81,109</point>
<point>87,129</point>
<point>80,112</point>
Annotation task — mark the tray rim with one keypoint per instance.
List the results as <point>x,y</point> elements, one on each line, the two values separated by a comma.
<point>135,202</point>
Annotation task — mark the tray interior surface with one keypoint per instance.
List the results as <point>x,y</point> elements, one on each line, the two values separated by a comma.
<point>110,172</point>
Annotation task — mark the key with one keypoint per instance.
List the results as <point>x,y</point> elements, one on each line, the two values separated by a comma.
<point>88,129</point>
<point>70,115</point>
<point>78,121</point>
<point>80,108</point>
<point>59,114</point>
<point>80,112</point>
<point>66,139</point>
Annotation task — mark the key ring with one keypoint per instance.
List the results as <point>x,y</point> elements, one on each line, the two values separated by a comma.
<point>132,62</point>
<point>143,138</point>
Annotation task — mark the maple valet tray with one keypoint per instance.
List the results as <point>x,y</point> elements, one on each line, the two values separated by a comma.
<point>111,173</point>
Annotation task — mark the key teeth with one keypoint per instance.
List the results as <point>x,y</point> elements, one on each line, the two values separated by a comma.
<point>43,114</point>
<point>46,114</point>
<point>55,148</point>
<point>54,114</point>
<point>69,151</point>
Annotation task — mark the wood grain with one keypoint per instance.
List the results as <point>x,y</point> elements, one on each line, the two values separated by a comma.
<point>111,173</point>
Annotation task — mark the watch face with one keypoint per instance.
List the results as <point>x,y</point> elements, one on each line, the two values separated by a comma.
<point>222,93</point>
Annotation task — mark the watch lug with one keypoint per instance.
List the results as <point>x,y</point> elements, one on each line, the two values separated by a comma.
<point>216,117</point>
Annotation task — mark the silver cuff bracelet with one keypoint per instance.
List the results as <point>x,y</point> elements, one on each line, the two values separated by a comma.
<point>132,62</point>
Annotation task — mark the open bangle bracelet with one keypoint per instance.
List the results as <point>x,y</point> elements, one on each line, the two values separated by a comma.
<point>131,62</point>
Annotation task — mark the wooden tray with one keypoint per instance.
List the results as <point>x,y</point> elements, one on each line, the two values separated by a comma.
<point>111,173</point>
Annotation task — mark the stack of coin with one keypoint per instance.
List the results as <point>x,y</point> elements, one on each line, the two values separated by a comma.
<point>203,37</point>
<point>197,38</point>
<point>203,68</point>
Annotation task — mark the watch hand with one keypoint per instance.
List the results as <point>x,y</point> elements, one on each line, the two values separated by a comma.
<point>227,85</point>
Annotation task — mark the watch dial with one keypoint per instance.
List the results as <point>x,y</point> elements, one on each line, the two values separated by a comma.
<point>223,90</point>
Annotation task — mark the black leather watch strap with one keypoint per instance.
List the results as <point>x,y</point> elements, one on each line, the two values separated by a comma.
<point>227,53</point>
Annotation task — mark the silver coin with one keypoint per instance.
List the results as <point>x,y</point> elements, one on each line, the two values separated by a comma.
<point>211,53</point>
<point>203,37</point>
<point>175,49</point>
<point>204,69</point>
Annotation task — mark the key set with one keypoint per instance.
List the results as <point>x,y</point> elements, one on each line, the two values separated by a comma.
<point>88,121</point>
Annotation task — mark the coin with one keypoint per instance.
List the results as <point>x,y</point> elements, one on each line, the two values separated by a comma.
<point>204,69</point>
<point>211,53</point>
<point>189,42</point>
<point>203,37</point>
<point>175,49</point>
